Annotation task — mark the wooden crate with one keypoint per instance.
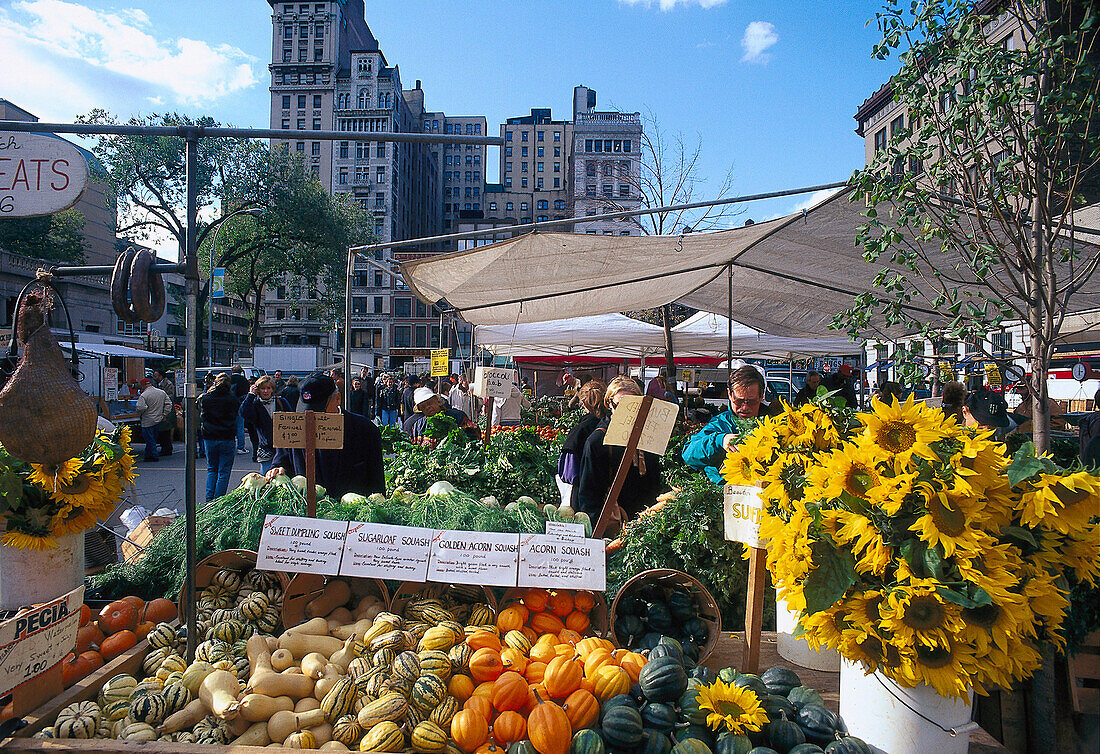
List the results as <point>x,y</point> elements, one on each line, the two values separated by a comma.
<point>1084,676</point>
<point>143,535</point>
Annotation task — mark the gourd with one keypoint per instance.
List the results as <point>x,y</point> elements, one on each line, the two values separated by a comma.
<point>444,712</point>
<point>194,675</point>
<point>659,716</point>
<point>280,660</point>
<point>428,692</point>
<point>322,733</point>
<point>325,683</point>
<point>548,727</point>
<point>655,742</point>
<point>79,720</point>
<point>622,726</point>
<point>780,680</point>
<point>469,729</point>
<point>301,644</point>
<point>509,692</point>
<point>306,704</point>
<point>254,735</point>
<point>118,688</point>
<point>266,681</point>
<point>385,736</point>
<point>783,734</point>
<point>257,707</point>
<point>691,746</point>
<point>333,746</point>
<point>138,732</point>
<point>807,748</point>
<point>509,727</point>
<point>751,682</point>
<point>610,681</point>
<point>176,697</point>
<point>662,680</point>
<point>436,663</point>
<point>427,737</point>
<point>587,741</point>
<point>282,723</point>
<point>301,739</point>
<point>149,707</point>
<point>820,724</point>
<point>339,700</point>
<point>335,594</point>
<point>581,708</point>
<point>218,692</point>
<point>185,718</point>
<point>732,743</point>
<point>848,745</point>
<point>391,706</point>
<point>347,730</point>
<point>690,710</point>
<point>343,656</point>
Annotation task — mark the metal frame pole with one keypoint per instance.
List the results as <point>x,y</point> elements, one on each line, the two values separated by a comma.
<point>191,274</point>
<point>729,326</point>
<point>347,327</point>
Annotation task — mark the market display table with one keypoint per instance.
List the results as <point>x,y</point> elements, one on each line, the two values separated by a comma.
<point>727,653</point>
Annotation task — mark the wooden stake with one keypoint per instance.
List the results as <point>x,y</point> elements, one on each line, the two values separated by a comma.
<point>624,466</point>
<point>311,464</point>
<point>488,419</point>
<point>754,610</point>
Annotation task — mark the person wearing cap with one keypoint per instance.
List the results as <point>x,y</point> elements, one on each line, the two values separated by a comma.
<point>707,448</point>
<point>152,407</point>
<point>356,467</point>
<point>984,410</point>
<point>427,405</point>
<point>408,396</point>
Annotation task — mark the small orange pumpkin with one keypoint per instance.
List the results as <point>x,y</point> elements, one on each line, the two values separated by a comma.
<point>509,691</point>
<point>632,663</point>
<point>584,601</point>
<point>596,660</point>
<point>536,599</point>
<point>581,708</point>
<point>512,618</point>
<point>117,643</point>
<point>469,729</point>
<point>569,636</point>
<point>482,705</point>
<point>513,659</point>
<point>532,698</point>
<point>461,687</point>
<point>536,671</point>
<point>542,651</point>
<point>548,727</point>
<point>563,677</point>
<point>577,621</point>
<point>482,639</point>
<point>547,623</point>
<point>509,727</point>
<point>560,604</point>
<point>486,665</point>
<point>610,680</point>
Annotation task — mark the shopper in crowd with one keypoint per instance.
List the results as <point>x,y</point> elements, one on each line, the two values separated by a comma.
<point>569,462</point>
<point>239,387</point>
<point>280,383</point>
<point>337,375</point>
<point>165,383</point>
<point>167,427</point>
<point>219,414</point>
<point>1021,417</point>
<point>707,448</point>
<point>357,466</point>
<point>153,405</point>
<point>429,404</point>
<point>408,399</point>
<point>985,410</point>
<point>258,411</point>
<point>290,392</point>
<point>367,386</point>
<point>1089,429</point>
<point>461,397</point>
<point>954,395</point>
<point>389,402</point>
<point>600,463</point>
<point>808,391</point>
<point>658,388</point>
<point>890,392</point>
<point>358,398</point>
<point>506,412</point>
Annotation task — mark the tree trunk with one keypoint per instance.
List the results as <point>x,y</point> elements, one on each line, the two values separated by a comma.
<point>670,362</point>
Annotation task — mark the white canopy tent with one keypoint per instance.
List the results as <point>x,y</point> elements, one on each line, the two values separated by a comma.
<point>713,330</point>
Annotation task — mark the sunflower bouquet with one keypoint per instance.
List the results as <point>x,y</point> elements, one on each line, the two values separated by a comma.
<point>917,548</point>
<point>38,503</point>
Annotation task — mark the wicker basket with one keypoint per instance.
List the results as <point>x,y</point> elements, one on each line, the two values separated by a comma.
<point>305,586</point>
<point>466,593</point>
<point>241,561</point>
<point>597,616</point>
<point>667,578</point>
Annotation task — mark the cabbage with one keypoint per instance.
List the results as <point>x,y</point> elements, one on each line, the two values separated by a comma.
<point>441,488</point>
<point>351,498</point>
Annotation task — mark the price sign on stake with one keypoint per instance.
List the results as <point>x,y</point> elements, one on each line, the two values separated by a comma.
<point>493,383</point>
<point>301,545</point>
<point>379,551</point>
<point>471,557</point>
<point>311,431</point>
<point>742,509</point>
<point>550,562</point>
<point>656,431</point>
<point>34,642</point>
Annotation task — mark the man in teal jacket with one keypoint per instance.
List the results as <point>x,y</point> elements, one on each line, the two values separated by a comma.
<point>707,448</point>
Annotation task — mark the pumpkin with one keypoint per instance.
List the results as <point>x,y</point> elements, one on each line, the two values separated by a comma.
<point>562,677</point>
<point>581,708</point>
<point>75,667</point>
<point>469,729</point>
<point>535,599</point>
<point>596,659</point>
<point>78,720</point>
<point>632,663</point>
<point>808,748</point>
<point>119,615</point>
<point>89,636</point>
<point>655,742</point>
<point>513,659</point>
<point>482,705</point>
<point>509,692</point>
<point>535,672</point>
<point>486,664</point>
<point>659,716</point>
<point>848,745</point>
<point>461,687</point>
<point>610,681</point>
<point>548,727</point>
<point>543,650</point>
<point>728,742</point>
<point>483,639</point>
<point>117,643</point>
<point>570,637</point>
<point>509,727</point>
<point>800,696</point>
<point>560,604</point>
<point>547,623</point>
<point>512,618</point>
<point>622,727</point>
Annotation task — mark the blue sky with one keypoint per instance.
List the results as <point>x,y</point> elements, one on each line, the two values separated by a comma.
<point>770,87</point>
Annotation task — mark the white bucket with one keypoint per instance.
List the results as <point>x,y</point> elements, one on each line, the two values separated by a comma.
<point>882,713</point>
<point>30,576</point>
<point>797,650</point>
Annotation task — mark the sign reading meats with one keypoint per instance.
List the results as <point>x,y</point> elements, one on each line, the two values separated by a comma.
<point>39,174</point>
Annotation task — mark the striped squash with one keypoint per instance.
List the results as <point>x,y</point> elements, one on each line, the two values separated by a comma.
<point>438,638</point>
<point>347,730</point>
<point>518,641</point>
<point>428,692</point>
<point>116,709</point>
<point>390,707</point>
<point>443,713</point>
<point>434,662</point>
<point>148,708</point>
<point>78,720</point>
<point>229,580</point>
<point>153,660</point>
<point>429,738</point>
<point>138,732</point>
<point>480,614</point>
<point>116,689</point>
<point>459,656</point>
<point>385,736</point>
<point>229,631</point>
<point>162,635</point>
<point>339,700</point>
<point>406,666</point>
<point>176,697</point>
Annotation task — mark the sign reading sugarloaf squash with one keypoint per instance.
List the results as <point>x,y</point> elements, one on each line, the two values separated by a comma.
<point>39,174</point>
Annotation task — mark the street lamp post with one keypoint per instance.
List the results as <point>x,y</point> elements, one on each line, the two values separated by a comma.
<point>210,287</point>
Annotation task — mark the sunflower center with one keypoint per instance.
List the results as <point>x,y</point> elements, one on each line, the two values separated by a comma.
<point>78,486</point>
<point>934,657</point>
<point>984,616</point>
<point>948,520</point>
<point>924,613</point>
<point>1068,497</point>
<point>858,480</point>
<point>729,708</point>
<point>897,436</point>
<point>796,424</point>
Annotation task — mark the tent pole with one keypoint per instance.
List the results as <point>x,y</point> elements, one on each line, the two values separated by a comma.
<point>729,324</point>
<point>347,328</point>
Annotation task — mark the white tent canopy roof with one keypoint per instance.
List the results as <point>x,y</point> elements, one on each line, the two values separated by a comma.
<point>712,329</point>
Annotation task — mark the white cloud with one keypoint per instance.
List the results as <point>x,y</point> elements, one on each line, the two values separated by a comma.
<point>759,36</point>
<point>811,200</point>
<point>75,57</point>
<point>670,4</point>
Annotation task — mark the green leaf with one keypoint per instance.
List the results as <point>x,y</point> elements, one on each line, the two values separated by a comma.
<point>1020,533</point>
<point>834,573</point>
<point>972,597</point>
<point>1025,464</point>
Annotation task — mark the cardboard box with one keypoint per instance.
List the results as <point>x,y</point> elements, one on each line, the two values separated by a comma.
<point>143,535</point>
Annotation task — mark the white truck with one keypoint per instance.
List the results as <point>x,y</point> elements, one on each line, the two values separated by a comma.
<point>300,360</point>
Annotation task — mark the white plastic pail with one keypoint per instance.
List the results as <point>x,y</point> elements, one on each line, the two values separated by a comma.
<point>31,576</point>
<point>796,650</point>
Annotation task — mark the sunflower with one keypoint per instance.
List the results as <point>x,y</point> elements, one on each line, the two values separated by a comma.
<point>995,569</point>
<point>873,652</point>
<point>917,614</point>
<point>852,469</point>
<point>72,521</point>
<point>22,541</point>
<point>1062,503</point>
<point>784,480</point>
<point>746,462</point>
<point>826,628</point>
<point>83,490</point>
<point>904,430</point>
<point>978,463</point>
<point>47,477</point>
<point>1049,602</point>
<point>736,709</point>
<point>872,553</point>
<point>947,522</point>
<point>997,623</point>
<point>125,468</point>
<point>1083,555</point>
<point>946,665</point>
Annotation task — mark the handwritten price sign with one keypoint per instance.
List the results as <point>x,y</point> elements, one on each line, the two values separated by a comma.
<point>658,424</point>
<point>493,383</point>
<point>36,640</point>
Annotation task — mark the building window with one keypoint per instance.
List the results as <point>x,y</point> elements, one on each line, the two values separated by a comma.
<point>523,183</point>
<point>380,151</point>
<point>540,167</point>
<point>538,183</point>
<point>315,149</point>
<point>380,200</point>
<point>343,176</point>
<point>316,124</point>
<point>402,307</point>
<point>607,190</point>
<point>510,206</point>
<point>318,54</point>
<point>539,152</point>
<point>559,204</point>
<point>880,140</point>
<point>358,304</point>
<point>507,151</point>
<point>624,189</point>
<point>492,206</point>
<point>523,136</point>
<point>523,206</point>
<point>557,136</point>
<point>303,30</point>
<point>300,147</point>
<point>315,171</point>
<point>280,314</point>
<point>378,278</point>
<point>421,336</point>
<point>301,102</point>
<point>377,304</point>
<point>344,150</point>
<point>626,145</point>
<point>301,124</point>
<point>557,183</point>
<point>624,232</point>
<point>523,151</point>
<point>286,101</point>
<point>540,136</point>
<point>286,123</point>
<point>402,336</point>
<point>590,189</point>
<point>543,204</point>
<point>316,101</point>
<point>896,126</point>
<point>380,175</point>
<point>288,31</point>
<point>508,182</point>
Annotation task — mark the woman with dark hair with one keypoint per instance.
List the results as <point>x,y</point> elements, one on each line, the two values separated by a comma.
<point>218,412</point>
<point>569,462</point>
<point>954,395</point>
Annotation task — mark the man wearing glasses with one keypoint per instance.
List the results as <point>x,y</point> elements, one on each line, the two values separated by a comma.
<point>707,448</point>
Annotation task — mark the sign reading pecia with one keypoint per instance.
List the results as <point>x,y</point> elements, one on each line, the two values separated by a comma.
<point>39,174</point>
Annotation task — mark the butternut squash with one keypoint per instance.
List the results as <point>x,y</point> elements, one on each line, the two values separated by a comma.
<point>315,627</point>
<point>253,648</point>
<point>333,746</point>
<point>302,644</point>
<point>335,594</point>
<point>280,660</point>
<point>219,691</point>
<point>326,682</point>
<point>313,665</point>
<point>257,707</point>
<point>269,683</point>
<point>322,733</point>
<point>256,735</point>
<point>351,629</point>
<point>185,718</point>
<point>339,617</point>
<point>342,657</point>
<point>282,724</point>
<point>238,725</point>
<point>307,704</point>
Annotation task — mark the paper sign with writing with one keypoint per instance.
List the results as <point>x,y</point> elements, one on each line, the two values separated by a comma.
<point>36,640</point>
<point>553,563</point>
<point>658,424</point>
<point>110,383</point>
<point>493,383</point>
<point>289,430</point>
<point>39,174</point>
<point>470,557</point>
<point>380,551</point>
<point>742,509</point>
<point>441,362</point>
<point>562,530</point>
<point>295,544</point>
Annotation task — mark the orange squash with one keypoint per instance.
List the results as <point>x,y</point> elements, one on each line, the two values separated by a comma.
<point>542,651</point>
<point>75,667</point>
<point>144,628</point>
<point>560,604</point>
<point>577,621</point>
<point>548,727</point>
<point>483,639</point>
<point>486,665</point>
<point>586,646</point>
<point>632,663</point>
<point>160,610</point>
<point>482,705</point>
<point>117,643</point>
<point>588,685</point>
<point>509,728</point>
<point>530,633</point>
<point>547,623</point>
<point>610,680</point>
<point>596,660</point>
<point>469,729</point>
<point>484,689</point>
<point>85,615</point>
<point>535,672</point>
<point>581,708</point>
<point>509,691</point>
<point>569,636</point>
<point>584,601</point>
<point>87,637</point>
<point>513,659</point>
<point>512,618</point>
<point>536,599</point>
<point>461,687</point>
<point>562,677</point>
<point>120,615</point>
